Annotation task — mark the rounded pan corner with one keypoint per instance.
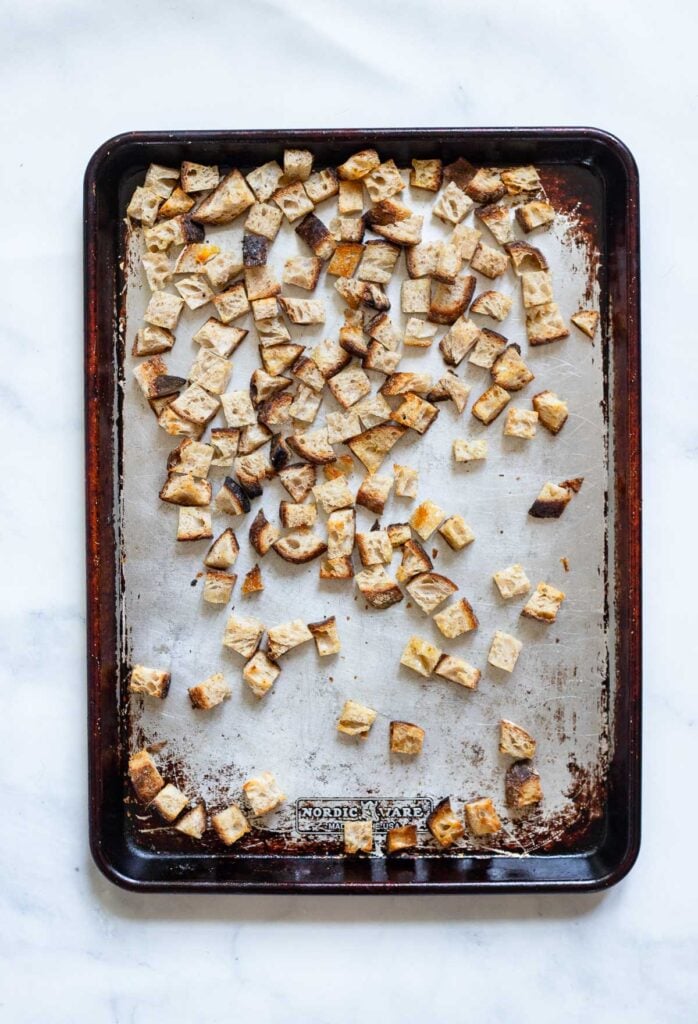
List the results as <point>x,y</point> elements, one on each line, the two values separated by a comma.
<point>105,153</point>
<point>617,149</point>
<point>621,867</point>
<point>107,862</point>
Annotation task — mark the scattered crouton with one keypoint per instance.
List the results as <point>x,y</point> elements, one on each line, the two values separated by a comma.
<point>587,320</point>
<point>545,324</point>
<point>469,451</point>
<point>358,837</point>
<point>260,674</point>
<point>243,635</point>
<point>373,492</point>
<point>263,794</point>
<point>299,547</point>
<point>504,651</point>
<point>554,499</point>
<point>497,218</point>
<point>326,636</point>
<point>426,174</point>
<point>210,693</point>
<point>456,619</point>
<point>218,586</point>
<point>482,818</point>
<point>415,561</point>
<point>445,826</point>
<point>194,524</point>
<point>406,738</point>
<point>488,346</point>
<point>544,603</point>
<point>522,786</point>
<point>521,423</point>
<point>193,823</point>
<point>490,404</point>
<point>144,775</point>
<point>552,411</point>
<point>515,741</point>
<point>429,590</point>
<point>449,301</point>
<point>535,214</point>
<point>406,481</point>
<point>458,671</point>
<point>302,271</point>
<point>512,581</point>
<point>420,656</point>
<point>488,261</point>
<point>425,519</point>
<point>492,303</point>
<point>359,165</point>
<point>377,588</point>
<point>153,682</point>
<point>230,824</point>
<point>402,838</point>
<point>356,719</point>
<point>415,413</point>
<point>253,582</point>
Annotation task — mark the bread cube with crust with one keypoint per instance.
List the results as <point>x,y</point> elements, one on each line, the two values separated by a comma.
<point>426,174</point>
<point>223,552</point>
<point>587,320</point>
<point>453,205</point>
<point>536,288</point>
<point>219,337</point>
<point>302,271</point>
<point>377,588</point>
<point>545,324</point>
<point>520,180</point>
<point>333,495</point>
<point>170,802</point>
<point>340,533</point>
<point>420,655</point>
<point>378,262</point>
<point>522,786</point>
<point>553,499</point>
<point>260,674</point>
<point>521,423</point>
<point>456,532</point>
<point>512,581</point>
<point>351,197</point>
<point>151,341</point>
<point>515,741</point>
<point>264,180</point>
<point>490,404</point>
<point>158,270</point>
<point>426,518</point>
<point>293,201</point>
<point>504,651</point>
<point>316,236</point>
<point>535,214</point>
<point>243,635</point>
<point>218,586</point>
<point>373,492</point>
<point>399,534</point>
<point>406,738</point>
<point>458,341</point>
<point>383,181</point>
<point>193,823</point>
<point>144,205</point>
<point>223,268</point>
<point>406,481</point>
<point>488,347</point>
<point>358,837</point>
<point>429,590</point>
<point>152,682</point>
<point>322,185</point>
<point>416,413</point>
<point>458,671</point>
<point>177,203</point>
<point>326,636</point>
<point>492,303</point>
<point>263,220</point>
<point>231,198</point>
<point>163,310</point>
<point>544,603</point>
<point>372,446</point>
<point>298,163</point>
<point>450,301</point>
<point>193,524</point>
<point>469,451</point>
<point>445,825</point>
<point>283,638</point>
<point>359,165</point>
<point>497,218</point>
<point>415,561</point>
<point>198,177</point>
<point>144,775</point>
<point>415,295</point>
<point>466,240</point>
<point>374,547</point>
<point>356,719</point>
<point>230,824</point>
<point>185,489</point>
<point>486,186</point>
<point>510,371</point>
<point>232,303</point>
<point>488,261</point>
<point>482,818</point>
<point>210,692</point>
<point>552,411</point>
<point>253,582</point>
<point>456,619</point>
<point>263,794</point>
<point>402,838</point>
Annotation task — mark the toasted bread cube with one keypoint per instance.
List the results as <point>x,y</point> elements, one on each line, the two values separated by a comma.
<point>551,502</point>
<point>194,524</point>
<point>358,836</point>
<point>518,180</point>
<point>422,259</point>
<point>326,636</point>
<point>426,174</point>
<point>545,324</point>
<point>224,267</point>
<point>466,240</point>
<point>445,826</point>
<point>378,262</point>
<point>219,337</point>
<point>333,495</point>
<point>535,214</point>
<point>402,232</point>
<point>420,656</point>
<point>151,341</point>
<point>536,288</point>
<point>304,311</point>
<point>457,342</point>
<point>348,229</point>
<point>494,304</point>
<point>372,446</point>
<point>488,347</point>
<point>232,303</point>
<point>176,231</point>
<point>145,777</point>
<point>282,639</point>
<point>415,561</point>
<point>512,581</point>
<point>198,177</point>
<point>359,165</point>
<point>263,794</point>
<point>264,180</point>
<point>415,295</point>
<point>231,498</point>
<point>380,359</point>
<point>383,181</point>
<point>406,738</point>
<point>300,546</point>
<point>482,818</point>
<point>419,333</point>
<point>340,533</point>
<point>522,786</point>
<point>488,261</point>
<point>243,635</point>
<point>448,263</point>
<point>344,465</point>
<point>193,823</point>
<point>406,481</point>
<point>469,451</point>
<point>525,257</point>
<point>415,413</point>
<point>298,479</point>
<point>218,586</point>
<point>193,258</point>
<point>158,270</point>
<point>293,201</point>
<point>223,552</point>
<point>163,310</point>
<point>302,271</point>
<point>429,590</point>
<point>452,205</point>
<point>425,519</point>
<point>349,385</point>
<point>298,163</point>
<point>552,411</point>
<point>490,404</point>
<point>515,741</point>
<point>265,309</point>
<point>486,186</point>
<point>372,410</point>
<point>402,838</point>
<point>345,259</point>
<point>211,371</point>
<point>144,206</point>
<point>316,236</point>
<point>253,582</point>
<point>351,197</point>
<point>176,425</point>
<point>382,329</point>
<point>329,358</point>
<point>356,719</point>
<point>587,320</point>
<point>260,674</point>
<point>456,619</point>
<point>406,383</point>
<point>456,532</point>
<point>337,568</point>
<point>295,517</point>
<point>544,603</point>
<point>457,390</point>
<point>238,409</point>
<point>450,301</point>
<point>170,802</point>
<point>504,651</point>
<point>510,371</point>
<point>196,404</point>
<point>210,693</point>
<point>184,489</point>
<point>498,221</point>
<point>374,548</point>
<point>521,423</point>
<point>231,198</point>
<point>322,185</point>
<point>178,202</point>
<point>190,457</point>
<point>153,682</point>
<point>373,492</point>
<point>458,671</point>
<point>230,824</point>
<point>399,534</point>
<point>377,588</point>
<point>313,446</point>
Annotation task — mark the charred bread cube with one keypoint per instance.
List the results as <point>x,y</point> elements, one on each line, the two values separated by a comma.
<point>373,493</point>
<point>554,499</point>
<point>383,181</point>
<point>497,219</point>
<point>426,518</point>
<point>225,442</point>
<point>512,581</point>
<point>260,674</point>
<point>177,203</point>
<point>419,333</point>
<point>153,682</point>
<point>298,479</point>
<point>316,236</point>
<point>185,489</point>
<point>420,656</point>
<point>359,165</point>
<point>340,533</point>
<point>170,802</point>
<point>231,198</point>
<point>144,775</point>
<point>144,206</point>
<point>378,262</point>
<point>406,481</point>
<point>218,586</point>
<point>263,220</point>
<point>263,534</point>
<point>372,411</point>
<point>358,837</point>
<point>297,517</point>
<point>163,310</point>
<point>193,823</point>
<point>429,590</point>
<point>482,818</point>
<point>263,794</point>
<point>415,295</point>
<point>340,427</point>
<point>399,534</point>
<point>515,741</point>
<point>492,303</point>
<point>453,205</point>
<point>374,548</point>
<point>154,380</point>
<point>264,180</point>
<point>223,552</point>
<point>456,343</point>
<point>426,174</point>
<point>522,786</point>
<point>230,825</point>
<point>356,719</point>
<point>210,693</point>
<point>521,423</point>
<point>326,636</point>
<point>449,301</point>
<point>351,197</point>
<point>272,413</point>
<point>372,446</point>
<point>466,240</point>
<point>377,588</point>
<point>151,341</point>
<point>415,561</point>
<point>293,201</point>
<point>488,261</point>
<point>458,671</point>
<point>445,826</point>
<point>587,320</point>
<point>243,635</point>
<point>232,303</point>
<point>322,185</point>
<point>349,385</point>
<point>231,498</point>
<point>198,177</point>
<point>158,270</point>
<point>510,371</point>
<point>552,411</point>
<point>486,186</point>
<point>402,838</point>
<point>461,171</point>
<point>415,413</point>
<point>255,249</point>
<point>535,214</point>
<point>298,163</point>
<point>253,583</point>
<point>504,651</point>
<point>490,404</point>
<point>299,547</point>
<point>469,451</point>
<point>194,524</point>
<point>302,271</point>
<point>252,470</point>
<point>457,619</point>
<point>456,532</point>
<point>406,738</point>
<point>329,357</point>
<point>544,603</point>
<point>337,568</point>
<point>333,495</point>
<point>219,337</point>
<point>488,347</point>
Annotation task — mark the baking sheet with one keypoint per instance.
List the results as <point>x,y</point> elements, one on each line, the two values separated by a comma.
<point>559,689</point>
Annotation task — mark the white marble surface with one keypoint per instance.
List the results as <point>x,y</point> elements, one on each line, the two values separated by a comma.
<point>75,949</point>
